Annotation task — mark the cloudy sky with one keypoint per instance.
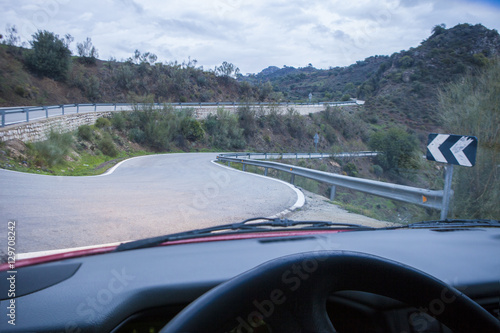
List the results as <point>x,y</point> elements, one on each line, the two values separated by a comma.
<point>250,34</point>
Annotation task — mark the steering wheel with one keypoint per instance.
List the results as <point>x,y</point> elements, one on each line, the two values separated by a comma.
<point>289,294</point>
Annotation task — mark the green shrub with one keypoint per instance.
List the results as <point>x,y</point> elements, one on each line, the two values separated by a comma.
<point>159,128</point>
<point>349,124</point>
<point>328,133</point>
<point>85,132</point>
<point>274,119</point>
<point>377,170</point>
<point>118,121</point>
<point>53,150</point>
<point>21,91</point>
<point>102,122</point>
<point>192,129</point>
<point>123,75</point>
<point>397,149</point>
<point>351,169</point>
<point>247,120</point>
<point>107,146</point>
<point>405,61</point>
<point>295,124</point>
<point>224,130</point>
<point>137,135</point>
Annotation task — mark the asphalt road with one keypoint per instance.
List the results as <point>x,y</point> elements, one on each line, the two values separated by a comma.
<point>142,197</point>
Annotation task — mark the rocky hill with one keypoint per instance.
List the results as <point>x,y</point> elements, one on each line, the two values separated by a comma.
<point>406,86</point>
<point>400,88</point>
<point>134,80</point>
<point>336,83</point>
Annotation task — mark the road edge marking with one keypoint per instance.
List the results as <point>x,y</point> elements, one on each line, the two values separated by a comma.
<point>301,200</point>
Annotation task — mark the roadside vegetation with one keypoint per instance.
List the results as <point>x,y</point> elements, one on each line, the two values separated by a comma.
<point>472,107</point>
<point>47,73</point>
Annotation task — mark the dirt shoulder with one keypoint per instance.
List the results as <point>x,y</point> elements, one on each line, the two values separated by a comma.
<point>320,208</point>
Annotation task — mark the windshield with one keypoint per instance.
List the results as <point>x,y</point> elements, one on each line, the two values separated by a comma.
<point>124,120</point>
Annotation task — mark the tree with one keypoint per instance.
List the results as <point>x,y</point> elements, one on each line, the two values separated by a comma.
<point>438,29</point>
<point>144,58</point>
<point>12,37</point>
<point>227,70</point>
<point>472,107</point>
<point>49,56</point>
<point>397,149</point>
<point>87,51</point>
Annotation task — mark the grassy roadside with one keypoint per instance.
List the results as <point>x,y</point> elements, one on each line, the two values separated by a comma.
<point>86,164</point>
<point>69,154</point>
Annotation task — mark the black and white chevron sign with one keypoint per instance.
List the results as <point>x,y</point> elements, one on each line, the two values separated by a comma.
<point>452,149</point>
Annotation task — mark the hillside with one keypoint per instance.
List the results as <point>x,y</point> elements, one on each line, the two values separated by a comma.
<point>405,87</point>
<point>337,83</point>
<point>133,80</point>
<point>401,88</point>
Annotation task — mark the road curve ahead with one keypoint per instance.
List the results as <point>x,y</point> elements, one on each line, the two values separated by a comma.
<point>145,196</point>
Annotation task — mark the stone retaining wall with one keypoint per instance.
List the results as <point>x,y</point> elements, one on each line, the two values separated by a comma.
<point>38,130</point>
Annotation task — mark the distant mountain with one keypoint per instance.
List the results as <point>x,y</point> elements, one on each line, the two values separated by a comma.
<point>295,84</point>
<point>402,87</point>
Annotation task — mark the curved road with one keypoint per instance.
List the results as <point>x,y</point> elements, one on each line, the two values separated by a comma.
<point>143,197</point>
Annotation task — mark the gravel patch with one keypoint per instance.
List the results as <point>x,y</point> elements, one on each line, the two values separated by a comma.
<point>320,208</point>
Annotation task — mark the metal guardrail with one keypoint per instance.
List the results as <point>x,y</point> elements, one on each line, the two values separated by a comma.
<point>418,196</point>
<point>25,114</point>
<point>269,156</point>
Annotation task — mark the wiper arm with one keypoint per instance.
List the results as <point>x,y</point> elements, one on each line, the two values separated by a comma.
<point>266,224</point>
<point>454,223</point>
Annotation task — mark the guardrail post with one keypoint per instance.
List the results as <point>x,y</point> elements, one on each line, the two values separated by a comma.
<point>243,167</point>
<point>46,111</point>
<point>265,156</point>
<point>27,115</point>
<point>228,163</point>
<point>296,156</point>
<point>115,106</point>
<point>78,108</point>
<point>265,171</point>
<point>292,179</point>
<point>333,191</point>
<point>447,191</point>
<point>3,117</point>
<point>62,109</point>
<point>95,107</point>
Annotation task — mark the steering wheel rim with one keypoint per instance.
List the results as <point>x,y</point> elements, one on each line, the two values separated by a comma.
<point>275,292</point>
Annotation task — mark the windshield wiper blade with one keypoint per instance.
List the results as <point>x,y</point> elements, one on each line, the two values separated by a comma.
<point>454,223</point>
<point>249,225</point>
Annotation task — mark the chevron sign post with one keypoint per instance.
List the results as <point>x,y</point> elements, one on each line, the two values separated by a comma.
<point>453,150</point>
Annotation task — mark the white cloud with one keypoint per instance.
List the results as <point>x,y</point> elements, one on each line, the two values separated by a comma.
<point>252,35</point>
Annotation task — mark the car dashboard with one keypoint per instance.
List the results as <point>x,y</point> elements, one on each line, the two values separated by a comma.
<point>141,290</point>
